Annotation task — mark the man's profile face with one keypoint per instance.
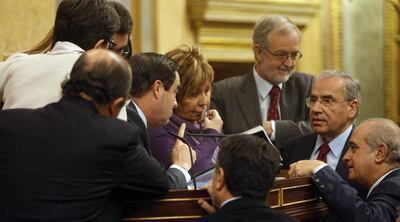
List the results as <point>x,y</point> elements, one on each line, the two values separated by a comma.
<point>168,101</point>
<point>359,157</point>
<point>332,113</point>
<point>269,66</point>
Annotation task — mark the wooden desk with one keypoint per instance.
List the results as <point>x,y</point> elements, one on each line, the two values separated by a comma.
<point>296,197</point>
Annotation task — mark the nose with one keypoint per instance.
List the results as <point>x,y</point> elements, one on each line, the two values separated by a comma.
<point>347,156</point>
<point>175,103</point>
<point>203,100</point>
<point>289,62</point>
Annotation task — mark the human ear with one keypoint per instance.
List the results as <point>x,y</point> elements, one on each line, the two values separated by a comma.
<point>115,106</point>
<point>101,44</point>
<point>381,153</point>
<point>258,52</point>
<point>219,180</point>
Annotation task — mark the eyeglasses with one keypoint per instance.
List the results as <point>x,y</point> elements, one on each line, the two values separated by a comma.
<point>283,56</point>
<point>326,102</point>
<point>111,44</point>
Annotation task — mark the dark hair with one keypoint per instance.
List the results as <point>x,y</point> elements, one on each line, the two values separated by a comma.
<point>249,165</point>
<point>126,24</point>
<point>85,22</point>
<point>101,77</point>
<point>125,18</point>
<point>149,67</point>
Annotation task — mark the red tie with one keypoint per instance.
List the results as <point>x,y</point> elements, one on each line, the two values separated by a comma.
<point>323,151</point>
<point>273,113</point>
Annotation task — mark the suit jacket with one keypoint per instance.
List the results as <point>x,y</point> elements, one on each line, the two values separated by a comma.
<point>176,178</point>
<point>346,205</point>
<point>62,162</point>
<point>237,102</point>
<point>245,209</point>
<point>301,147</point>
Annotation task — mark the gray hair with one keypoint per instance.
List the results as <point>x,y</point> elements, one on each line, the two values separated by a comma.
<point>384,131</point>
<point>265,25</point>
<point>352,88</point>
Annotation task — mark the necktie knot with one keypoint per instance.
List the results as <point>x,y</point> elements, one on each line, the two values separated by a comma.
<point>273,113</point>
<point>323,151</point>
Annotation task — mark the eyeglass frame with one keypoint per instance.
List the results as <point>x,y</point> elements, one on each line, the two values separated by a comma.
<point>124,52</point>
<point>326,102</point>
<point>294,56</point>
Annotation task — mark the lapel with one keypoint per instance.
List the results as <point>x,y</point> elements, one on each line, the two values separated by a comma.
<point>134,118</point>
<point>286,103</point>
<point>247,98</point>
<point>307,147</point>
<point>341,168</point>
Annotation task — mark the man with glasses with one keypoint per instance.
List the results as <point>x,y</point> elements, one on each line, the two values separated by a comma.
<point>271,94</point>
<point>373,158</point>
<point>334,103</point>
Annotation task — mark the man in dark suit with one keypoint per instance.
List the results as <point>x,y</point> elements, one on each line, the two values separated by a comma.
<point>154,85</point>
<point>334,103</point>
<point>373,159</point>
<point>245,171</point>
<point>271,94</point>
<point>62,162</point>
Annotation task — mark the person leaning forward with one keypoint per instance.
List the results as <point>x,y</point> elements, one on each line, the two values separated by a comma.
<point>373,159</point>
<point>62,162</point>
<point>244,174</point>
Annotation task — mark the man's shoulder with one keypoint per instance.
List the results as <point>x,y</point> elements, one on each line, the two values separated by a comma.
<point>232,82</point>
<point>300,78</point>
<point>311,136</point>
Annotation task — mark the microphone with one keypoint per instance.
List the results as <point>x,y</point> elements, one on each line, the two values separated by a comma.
<point>191,155</point>
<point>207,135</point>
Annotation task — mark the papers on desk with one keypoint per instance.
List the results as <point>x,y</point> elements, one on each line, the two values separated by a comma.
<point>203,178</point>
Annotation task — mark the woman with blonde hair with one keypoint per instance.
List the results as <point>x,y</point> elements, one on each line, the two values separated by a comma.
<point>193,98</point>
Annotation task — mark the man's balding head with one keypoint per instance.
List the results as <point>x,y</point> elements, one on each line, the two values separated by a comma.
<point>101,75</point>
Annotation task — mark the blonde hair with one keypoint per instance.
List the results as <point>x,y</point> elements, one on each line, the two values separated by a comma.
<point>194,70</point>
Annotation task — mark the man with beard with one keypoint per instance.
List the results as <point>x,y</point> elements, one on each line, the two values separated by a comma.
<point>271,94</point>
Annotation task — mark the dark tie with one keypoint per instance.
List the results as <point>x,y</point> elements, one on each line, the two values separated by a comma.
<point>323,151</point>
<point>273,113</point>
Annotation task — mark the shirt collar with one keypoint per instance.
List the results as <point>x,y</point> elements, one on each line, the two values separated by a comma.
<point>336,145</point>
<point>229,200</point>
<point>140,112</point>
<point>263,86</point>
<point>64,48</point>
<point>380,180</point>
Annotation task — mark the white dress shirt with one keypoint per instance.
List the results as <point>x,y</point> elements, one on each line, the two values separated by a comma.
<point>263,89</point>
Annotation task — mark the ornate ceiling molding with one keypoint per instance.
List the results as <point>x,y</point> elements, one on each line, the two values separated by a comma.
<point>224,27</point>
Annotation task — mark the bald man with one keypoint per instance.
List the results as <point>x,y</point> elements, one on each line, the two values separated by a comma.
<point>62,162</point>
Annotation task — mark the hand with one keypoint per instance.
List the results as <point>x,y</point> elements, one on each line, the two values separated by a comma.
<point>213,121</point>
<point>267,127</point>
<point>303,168</point>
<point>206,206</point>
<point>180,151</point>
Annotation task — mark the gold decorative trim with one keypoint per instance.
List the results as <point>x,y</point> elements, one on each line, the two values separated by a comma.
<point>391,60</point>
<point>300,201</point>
<point>279,197</point>
<point>334,57</point>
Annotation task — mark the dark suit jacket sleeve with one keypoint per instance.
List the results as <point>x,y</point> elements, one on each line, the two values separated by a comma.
<point>217,101</point>
<point>299,84</point>
<point>346,205</point>
<point>142,173</point>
